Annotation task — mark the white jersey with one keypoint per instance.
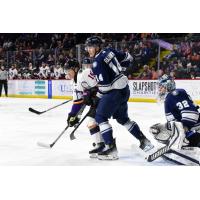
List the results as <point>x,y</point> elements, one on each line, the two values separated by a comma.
<point>85,80</point>
<point>13,73</point>
<point>58,72</point>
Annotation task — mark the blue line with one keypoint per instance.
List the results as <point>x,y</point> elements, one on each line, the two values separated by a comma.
<point>49,89</point>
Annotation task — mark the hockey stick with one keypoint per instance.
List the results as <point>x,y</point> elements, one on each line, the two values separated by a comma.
<point>41,144</point>
<point>39,113</point>
<point>166,148</point>
<point>72,137</point>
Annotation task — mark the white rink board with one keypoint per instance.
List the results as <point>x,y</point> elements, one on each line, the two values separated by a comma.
<point>140,90</point>
<point>62,88</point>
<point>28,88</point>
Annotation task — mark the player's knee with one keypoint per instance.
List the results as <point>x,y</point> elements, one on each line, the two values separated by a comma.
<point>100,118</point>
<point>122,121</point>
<point>91,123</point>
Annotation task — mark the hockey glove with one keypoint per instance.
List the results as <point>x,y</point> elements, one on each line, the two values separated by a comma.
<point>90,98</point>
<point>72,120</point>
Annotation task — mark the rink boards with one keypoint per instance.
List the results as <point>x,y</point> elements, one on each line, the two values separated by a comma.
<point>140,90</point>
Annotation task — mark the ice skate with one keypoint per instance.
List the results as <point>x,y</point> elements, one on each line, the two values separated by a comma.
<point>146,145</point>
<point>97,149</point>
<point>109,152</point>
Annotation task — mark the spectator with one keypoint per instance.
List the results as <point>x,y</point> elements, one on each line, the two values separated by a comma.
<point>3,80</point>
<point>154,74</point>
<point>44,72</point>
<point>13,73</point>
<point>146,73</point>
<point>58,72</point>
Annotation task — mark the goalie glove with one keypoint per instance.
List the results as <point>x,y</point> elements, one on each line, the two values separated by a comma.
<point>160,132</point>
<point>72,119</point>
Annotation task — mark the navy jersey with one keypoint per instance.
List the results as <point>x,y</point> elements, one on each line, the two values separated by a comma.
<point>180,107</point>
<point>108,71</point>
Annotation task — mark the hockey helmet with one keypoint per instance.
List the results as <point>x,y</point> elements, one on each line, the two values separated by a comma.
<point>167,83</point>
<point>86,63</point>
<point>93,41</point>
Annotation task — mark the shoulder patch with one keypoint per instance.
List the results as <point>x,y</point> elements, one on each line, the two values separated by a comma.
<point>175,93</point>
<point>94,64</point>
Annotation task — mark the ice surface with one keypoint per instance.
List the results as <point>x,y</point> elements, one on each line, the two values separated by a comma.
<point>20,130</point>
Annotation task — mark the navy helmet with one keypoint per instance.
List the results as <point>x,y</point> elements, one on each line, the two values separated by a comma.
<point>86,62</point>
<point>93,41</point>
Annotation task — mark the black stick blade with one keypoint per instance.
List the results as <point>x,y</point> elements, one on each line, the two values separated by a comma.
<point>72,137</point>
<point>35,111</point>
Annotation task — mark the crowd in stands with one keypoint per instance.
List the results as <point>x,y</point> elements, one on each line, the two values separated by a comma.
<point>47,55</point>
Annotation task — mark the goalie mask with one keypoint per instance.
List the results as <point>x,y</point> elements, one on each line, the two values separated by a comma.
<point>166,84</point>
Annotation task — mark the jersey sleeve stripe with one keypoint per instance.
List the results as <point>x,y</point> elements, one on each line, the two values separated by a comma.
<point>192,116</point>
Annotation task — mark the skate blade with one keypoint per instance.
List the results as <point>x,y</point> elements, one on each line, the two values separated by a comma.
<point>93,155</point>
<point>108,157</point>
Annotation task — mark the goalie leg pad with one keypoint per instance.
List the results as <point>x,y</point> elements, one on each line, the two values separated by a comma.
<point>177,129</point>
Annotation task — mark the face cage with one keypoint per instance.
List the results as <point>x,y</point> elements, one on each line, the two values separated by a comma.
<point>161,95</point>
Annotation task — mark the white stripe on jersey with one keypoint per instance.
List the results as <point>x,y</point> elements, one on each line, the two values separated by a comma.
<point>169,117</point>
<point>119,82</point>
<point>190,115</point>
<point>188,119</point>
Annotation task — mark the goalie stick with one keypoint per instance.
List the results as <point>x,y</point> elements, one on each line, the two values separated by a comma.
<point>41,112</point>
<point>41,144</point>
<point>184,156</point>
<point>172,160</point>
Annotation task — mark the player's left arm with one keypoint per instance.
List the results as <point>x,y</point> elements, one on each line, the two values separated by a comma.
<point>124,58</point>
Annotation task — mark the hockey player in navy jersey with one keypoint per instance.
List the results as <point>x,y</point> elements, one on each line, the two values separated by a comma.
<point>113,96</point>
<point>179,109</point>
<point>84,83</point>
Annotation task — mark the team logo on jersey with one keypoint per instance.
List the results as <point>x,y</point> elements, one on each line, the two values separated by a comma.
<point>94,64</point>
<point>175,93</point>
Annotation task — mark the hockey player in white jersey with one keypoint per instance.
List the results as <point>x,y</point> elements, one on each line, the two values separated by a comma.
<point>85,83</point>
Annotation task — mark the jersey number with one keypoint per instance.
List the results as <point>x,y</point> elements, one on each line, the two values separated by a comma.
<point>99,77</point>
<point>115,66</point>
<point>183,104</point>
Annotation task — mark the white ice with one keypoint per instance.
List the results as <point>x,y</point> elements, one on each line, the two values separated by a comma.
<point>20,130</point>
